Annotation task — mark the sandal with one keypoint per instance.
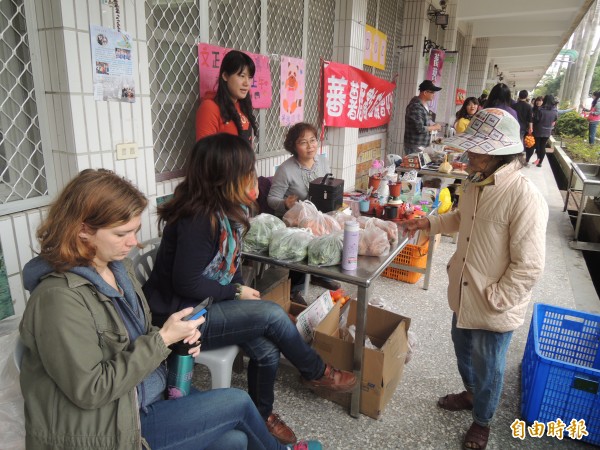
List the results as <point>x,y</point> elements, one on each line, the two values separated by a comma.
<point>455,402</point>
<point>477,437</point>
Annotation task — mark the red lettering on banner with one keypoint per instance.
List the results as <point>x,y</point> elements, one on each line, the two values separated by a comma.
<point>355,98</point>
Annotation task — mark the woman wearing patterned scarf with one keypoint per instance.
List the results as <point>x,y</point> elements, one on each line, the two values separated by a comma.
<point>199,256</point>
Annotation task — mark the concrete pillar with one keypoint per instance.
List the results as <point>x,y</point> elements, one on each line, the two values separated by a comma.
<point>415,29</point>
<point>478,68</point>
<point>349,29</point>
<point>465,57</point>
<point>445,109</point>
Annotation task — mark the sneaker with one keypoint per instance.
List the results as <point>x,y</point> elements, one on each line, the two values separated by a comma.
<point>325,283</point>
<point>306,445</point>
<point>333,380</point>
<point>280,430</point>
<point>297,297</point>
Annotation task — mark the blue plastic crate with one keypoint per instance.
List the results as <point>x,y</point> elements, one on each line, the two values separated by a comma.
<point>560,374</point>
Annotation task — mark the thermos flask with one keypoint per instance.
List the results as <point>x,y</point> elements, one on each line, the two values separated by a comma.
<point>350,249</point>
<point>180,368</point>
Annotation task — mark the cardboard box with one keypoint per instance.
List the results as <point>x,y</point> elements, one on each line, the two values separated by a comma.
<point>382,367</point>
<point>275,285</point>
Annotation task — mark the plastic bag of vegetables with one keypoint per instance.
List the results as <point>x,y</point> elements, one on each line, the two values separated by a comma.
<point>373,241</point>
<point>326,250</point>
<point>320,224</point>
<point>257,239</point>
<point>300,211</point>
<point>290,244</point>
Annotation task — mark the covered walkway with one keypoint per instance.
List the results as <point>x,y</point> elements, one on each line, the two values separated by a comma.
<point>412,419</point>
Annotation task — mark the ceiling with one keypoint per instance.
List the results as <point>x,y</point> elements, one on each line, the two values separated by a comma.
<point>524,35</point>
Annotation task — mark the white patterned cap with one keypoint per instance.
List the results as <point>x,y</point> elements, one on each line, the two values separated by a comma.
<point>492,131</point>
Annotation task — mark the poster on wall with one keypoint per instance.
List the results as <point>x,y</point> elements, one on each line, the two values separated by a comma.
<point>461,95</point>
<point>355,98</point>
<point>6,304</point>
<point>375,48</point>
<point>112,64</point>
<point>434,73</point>
<point>291,90</point>
<point>365,154</point>
<point>209,63</point>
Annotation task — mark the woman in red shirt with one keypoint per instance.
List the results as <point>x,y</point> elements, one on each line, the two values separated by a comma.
<point>230,109</point>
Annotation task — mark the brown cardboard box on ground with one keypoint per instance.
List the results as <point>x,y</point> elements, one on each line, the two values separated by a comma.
<point>275,285</point>
<point>382,367</point>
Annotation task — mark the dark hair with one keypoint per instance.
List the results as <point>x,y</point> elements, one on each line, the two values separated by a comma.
<point>97,198</point>
<point>596,96</point>
<point>523,94</point>
<point>218,172</point>
<point>500,95</point>
<point>235,62</point>
<point>462,112</point>
<point>294,134</point>
<point>549,101</point>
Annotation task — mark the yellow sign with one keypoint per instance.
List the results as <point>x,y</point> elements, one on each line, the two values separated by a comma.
<point>375,48</point>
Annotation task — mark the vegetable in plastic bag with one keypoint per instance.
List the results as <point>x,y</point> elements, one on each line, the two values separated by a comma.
<point>373,241</point>
<point>320,224</point>
<point>326,250</point>
<point>301,210</point>
<point>258,236</point>
<point>290,244</point>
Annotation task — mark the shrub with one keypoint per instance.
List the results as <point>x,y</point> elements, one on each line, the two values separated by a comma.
<point>571,124</point>
<point>579,150</point>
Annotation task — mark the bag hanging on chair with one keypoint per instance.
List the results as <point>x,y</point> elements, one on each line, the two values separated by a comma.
<point>529,141</point>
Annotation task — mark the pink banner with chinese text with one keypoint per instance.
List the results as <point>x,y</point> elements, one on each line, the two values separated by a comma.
<point>291,91</point>
<point>434,73</point>
<point>209,63</point>
<point>354,98</point>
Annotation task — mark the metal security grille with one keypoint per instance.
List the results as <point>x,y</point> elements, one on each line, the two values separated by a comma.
<point>172,30</point>
<point>386,16</point>
<point>321,15</point>
<point>22,173</point>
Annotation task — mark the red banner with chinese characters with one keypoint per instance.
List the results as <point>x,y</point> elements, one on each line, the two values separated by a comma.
<point>434,73</point>
<point>354,98</point>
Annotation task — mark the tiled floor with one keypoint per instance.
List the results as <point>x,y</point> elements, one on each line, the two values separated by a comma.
<point>412,419</point>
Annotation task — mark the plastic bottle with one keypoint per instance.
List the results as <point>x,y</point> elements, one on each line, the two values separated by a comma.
<point>350,249</point>
<point>180,367</point>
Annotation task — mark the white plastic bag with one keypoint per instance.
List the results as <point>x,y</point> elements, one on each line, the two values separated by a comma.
<point>259,235</point>
<point>300,211</point>
<point>290,244</point>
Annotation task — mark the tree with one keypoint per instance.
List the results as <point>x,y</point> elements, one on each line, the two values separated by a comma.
<point>590,65</point>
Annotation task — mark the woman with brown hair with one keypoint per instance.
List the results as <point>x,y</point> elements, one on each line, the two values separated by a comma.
<point>199,256</point>
<point>93,373</point>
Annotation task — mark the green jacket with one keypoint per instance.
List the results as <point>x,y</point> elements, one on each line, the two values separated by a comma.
<point>77,377</point>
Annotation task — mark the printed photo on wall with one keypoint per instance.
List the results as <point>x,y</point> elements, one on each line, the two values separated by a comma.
<point>112,54</point>
<point>291,91</point>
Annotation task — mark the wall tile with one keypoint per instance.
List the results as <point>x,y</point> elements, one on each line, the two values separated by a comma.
<point>85,61</point>
<point>91,124</point>
<point>79,124</point>
<point>81,15</point>
<point>17,293</point>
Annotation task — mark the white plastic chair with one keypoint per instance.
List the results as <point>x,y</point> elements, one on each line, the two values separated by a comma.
<point>219,361</point>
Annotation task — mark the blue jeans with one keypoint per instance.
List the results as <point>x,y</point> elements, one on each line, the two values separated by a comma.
<point>212,420</point>
<point>593,128</point>
<point>481,358</point>
<point>263,330</point>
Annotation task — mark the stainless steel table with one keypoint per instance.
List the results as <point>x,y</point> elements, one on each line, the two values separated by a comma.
<point>369,268</point>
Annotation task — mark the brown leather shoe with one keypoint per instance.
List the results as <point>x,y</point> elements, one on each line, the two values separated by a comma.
<point>333,380</point>
<point>280,430</point>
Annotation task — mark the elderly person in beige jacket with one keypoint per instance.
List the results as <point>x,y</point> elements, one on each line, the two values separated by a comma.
<point>501,220</point>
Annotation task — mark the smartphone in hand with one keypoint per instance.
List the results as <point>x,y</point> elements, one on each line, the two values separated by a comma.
<point>200,309</point>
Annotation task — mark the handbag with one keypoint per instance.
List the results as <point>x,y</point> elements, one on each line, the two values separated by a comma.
<point>529,141</point>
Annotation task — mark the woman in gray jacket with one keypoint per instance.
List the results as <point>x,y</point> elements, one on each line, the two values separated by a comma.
<point>544,120</point>
<point>93,373</point>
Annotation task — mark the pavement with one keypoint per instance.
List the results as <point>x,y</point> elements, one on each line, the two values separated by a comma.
<point>412,418</point>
